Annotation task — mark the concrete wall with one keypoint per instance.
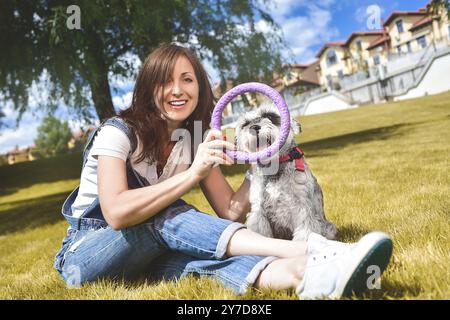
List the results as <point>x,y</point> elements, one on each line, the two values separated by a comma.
<point>435,80</point>
<point>431,75</point>
<point>327,102</point>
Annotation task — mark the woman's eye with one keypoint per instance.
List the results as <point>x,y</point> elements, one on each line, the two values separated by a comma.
<point>188,80</point>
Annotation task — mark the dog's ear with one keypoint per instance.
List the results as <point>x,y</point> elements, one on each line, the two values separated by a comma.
<point>296,126</point>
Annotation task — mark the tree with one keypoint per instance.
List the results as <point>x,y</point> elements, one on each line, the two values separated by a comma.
<point>53,136</point>
<point>42,41</point>
<point>436,7</point>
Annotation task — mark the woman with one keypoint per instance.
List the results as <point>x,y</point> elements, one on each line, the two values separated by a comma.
<point>127,219</point>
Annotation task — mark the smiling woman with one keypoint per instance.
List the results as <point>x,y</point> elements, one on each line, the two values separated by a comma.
<point>166,95</point>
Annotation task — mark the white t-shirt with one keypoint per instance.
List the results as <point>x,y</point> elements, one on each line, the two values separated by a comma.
<point>111,141</point>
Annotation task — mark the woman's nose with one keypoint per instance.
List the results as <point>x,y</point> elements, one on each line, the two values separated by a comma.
<point>176,90</point>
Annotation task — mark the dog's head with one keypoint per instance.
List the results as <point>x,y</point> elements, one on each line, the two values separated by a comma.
<point>259,128</point>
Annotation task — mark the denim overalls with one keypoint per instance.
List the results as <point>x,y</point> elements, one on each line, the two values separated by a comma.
<point>177,241</point>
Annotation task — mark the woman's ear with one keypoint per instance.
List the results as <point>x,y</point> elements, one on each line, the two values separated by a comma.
<point>296,126</point>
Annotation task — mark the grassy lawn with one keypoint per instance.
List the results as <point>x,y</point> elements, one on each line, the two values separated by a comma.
<point>383,167</point>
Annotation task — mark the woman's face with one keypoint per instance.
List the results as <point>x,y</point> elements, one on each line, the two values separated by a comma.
<point>180,94</point>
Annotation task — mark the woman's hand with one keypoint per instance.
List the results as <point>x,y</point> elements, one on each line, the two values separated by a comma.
<point>210,154</point>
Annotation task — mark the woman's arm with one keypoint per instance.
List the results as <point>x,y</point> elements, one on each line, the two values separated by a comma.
<point>122,207</point>
<point>226,203</point>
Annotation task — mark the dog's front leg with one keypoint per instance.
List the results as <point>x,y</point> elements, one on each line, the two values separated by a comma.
<point>259,224</point>
<point>303,223</point>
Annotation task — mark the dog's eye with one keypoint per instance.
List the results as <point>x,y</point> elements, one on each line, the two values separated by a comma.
<point>273,117</point>
<point>246,123</point>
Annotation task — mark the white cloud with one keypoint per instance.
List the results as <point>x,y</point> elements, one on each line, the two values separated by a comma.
<point>23,136</point>
<point>281,9</point>
<point>123,101</point>
<point>305,32</point>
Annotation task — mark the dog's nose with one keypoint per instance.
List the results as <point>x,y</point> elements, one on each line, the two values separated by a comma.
<point>255,128</point>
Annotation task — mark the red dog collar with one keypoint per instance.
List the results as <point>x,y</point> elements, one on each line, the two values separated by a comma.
<point>297,155</point>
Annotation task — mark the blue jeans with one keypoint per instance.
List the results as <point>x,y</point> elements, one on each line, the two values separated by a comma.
<point>176,242</point>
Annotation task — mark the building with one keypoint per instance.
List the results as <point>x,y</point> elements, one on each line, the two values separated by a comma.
<point>357,45</point>
<point>236,106</point>
<point>404,33</point>
<point>333,63</point>
<point>400,26</point>
<point>412,31</point>
<point>20,155</point>
<point>378,50</point>
<point>296,79</point>
<point>78,139</point>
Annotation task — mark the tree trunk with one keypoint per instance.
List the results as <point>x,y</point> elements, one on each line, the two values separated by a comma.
<point>101,95</point>
<point>98,81</point>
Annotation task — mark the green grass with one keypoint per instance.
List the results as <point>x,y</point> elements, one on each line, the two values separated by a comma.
<point>383,167</point>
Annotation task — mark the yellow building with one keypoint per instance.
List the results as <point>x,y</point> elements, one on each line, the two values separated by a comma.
<point>302,76</point>
<point>333,63</point>
<point>402,39</point>
<point>378,50</point>
<point>339,59</point>
<point>20,155</point>
<point>403,32</point>
<point>412,31</point>
<point>358,55</point>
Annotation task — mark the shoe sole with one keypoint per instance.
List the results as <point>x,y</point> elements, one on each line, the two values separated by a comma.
<point>379,255</point>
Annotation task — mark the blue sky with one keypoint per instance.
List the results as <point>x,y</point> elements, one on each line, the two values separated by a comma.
<point>306,25</point>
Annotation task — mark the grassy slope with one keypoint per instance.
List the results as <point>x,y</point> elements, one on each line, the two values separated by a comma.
<point>382,167</point>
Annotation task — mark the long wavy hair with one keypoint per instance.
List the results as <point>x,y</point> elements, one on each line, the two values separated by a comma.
<point>146,119</point>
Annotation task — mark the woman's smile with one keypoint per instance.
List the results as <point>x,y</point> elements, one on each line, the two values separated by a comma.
<point>178,104</point>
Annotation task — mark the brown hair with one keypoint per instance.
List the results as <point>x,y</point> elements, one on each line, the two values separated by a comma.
<point>145,118</point>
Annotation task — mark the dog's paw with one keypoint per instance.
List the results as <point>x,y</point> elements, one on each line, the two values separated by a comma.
<point>330,231</point>
<point>301,234</point>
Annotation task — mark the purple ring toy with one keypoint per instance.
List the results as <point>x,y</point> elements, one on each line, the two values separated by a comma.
<point>271,93</point>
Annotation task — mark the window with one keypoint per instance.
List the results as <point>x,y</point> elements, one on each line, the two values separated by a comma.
<point>422,42</point>
<point>340,74</point>
<point>331,58</point>
<point>399,24</point>
<point>376,60</point>
<point>289,76</point>
<point>408,45</point>
<point>329,81</point>
<point>359,45</point>
<point>399,49</point>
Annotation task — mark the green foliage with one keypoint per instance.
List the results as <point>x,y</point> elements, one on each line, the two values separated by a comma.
<point>53,136</point>
<point>76,64</point>
<point>435,7</point>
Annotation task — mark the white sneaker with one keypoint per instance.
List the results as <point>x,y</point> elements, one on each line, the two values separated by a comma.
<point>341,270</point>
<point>317,243</point>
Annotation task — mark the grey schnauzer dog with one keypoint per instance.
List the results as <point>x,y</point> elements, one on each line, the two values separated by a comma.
<point>286,200</point>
